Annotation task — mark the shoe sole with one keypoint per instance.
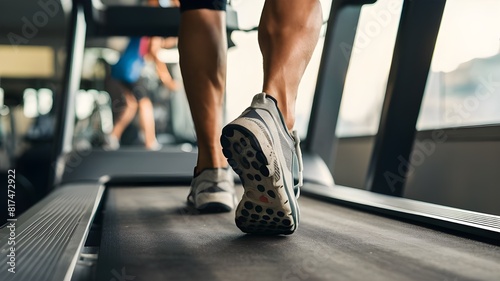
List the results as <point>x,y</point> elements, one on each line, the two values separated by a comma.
<point>212,208</point>
<point>265,207</point>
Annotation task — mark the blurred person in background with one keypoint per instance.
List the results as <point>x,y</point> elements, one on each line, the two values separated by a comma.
<point>128,72</point>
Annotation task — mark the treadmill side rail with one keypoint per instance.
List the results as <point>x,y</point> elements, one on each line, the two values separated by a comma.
<point>49,236</point>
<point>479,225</point>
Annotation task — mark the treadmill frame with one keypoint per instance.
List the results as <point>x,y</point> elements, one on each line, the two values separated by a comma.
<point>320,141</point>
<point>417,33</point>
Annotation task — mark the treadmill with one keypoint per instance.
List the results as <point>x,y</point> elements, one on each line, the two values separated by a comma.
<point>122,215</point>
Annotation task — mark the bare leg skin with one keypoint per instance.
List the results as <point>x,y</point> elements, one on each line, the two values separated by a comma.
<point>202,49</point>
<point>288,33</point>
<point>126,117</point>
<point>147,122</point>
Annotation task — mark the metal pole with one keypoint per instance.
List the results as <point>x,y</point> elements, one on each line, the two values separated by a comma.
<point>339,41</point>
<point>418,30</point>
<point>71,84</point>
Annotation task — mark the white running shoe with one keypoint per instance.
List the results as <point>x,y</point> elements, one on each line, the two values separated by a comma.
<point>110,143</point>
<point>212,191</point>
<point>267,158</point>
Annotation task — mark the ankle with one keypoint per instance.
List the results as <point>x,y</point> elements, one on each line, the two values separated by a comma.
<point>210,163</point>
<point>199,168</point>
<point>286,107</point>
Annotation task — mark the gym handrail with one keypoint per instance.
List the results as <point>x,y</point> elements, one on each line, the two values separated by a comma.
<point>113,20</point>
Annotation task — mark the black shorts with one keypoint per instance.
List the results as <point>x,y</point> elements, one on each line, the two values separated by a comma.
<point>138,88</point>
<point>217,5</point>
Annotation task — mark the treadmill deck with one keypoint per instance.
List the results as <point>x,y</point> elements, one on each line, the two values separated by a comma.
<point>150,234</point>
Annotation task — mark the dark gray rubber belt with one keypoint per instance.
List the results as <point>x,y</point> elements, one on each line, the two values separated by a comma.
<point>149,234</point>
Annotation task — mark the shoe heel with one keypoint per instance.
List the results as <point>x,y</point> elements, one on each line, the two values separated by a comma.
<point>265,206</point>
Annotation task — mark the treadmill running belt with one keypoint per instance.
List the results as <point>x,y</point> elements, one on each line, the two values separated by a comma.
<point>150,234</point>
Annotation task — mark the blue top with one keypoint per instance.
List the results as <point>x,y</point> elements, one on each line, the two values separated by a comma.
<point>129,66</point>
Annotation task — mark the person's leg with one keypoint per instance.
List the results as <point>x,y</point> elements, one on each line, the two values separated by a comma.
<point>126,116</point>
<point>202,49</point>
<point>259,145</point>
<point>146,114</point>
<point>288,33</point>
<point>147,123</point>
